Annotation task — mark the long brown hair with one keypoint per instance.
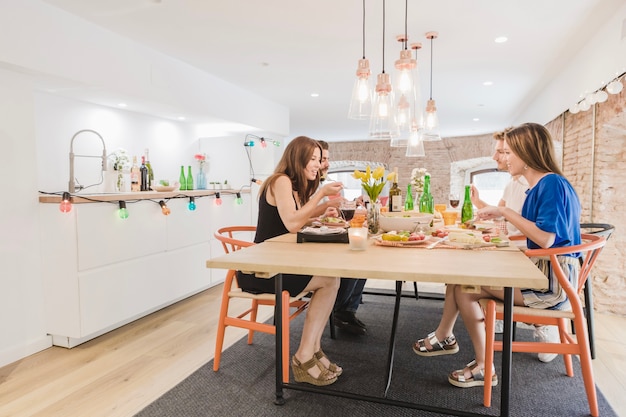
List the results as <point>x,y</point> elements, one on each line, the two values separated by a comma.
<point>292,164</point>
<point>532,143</point>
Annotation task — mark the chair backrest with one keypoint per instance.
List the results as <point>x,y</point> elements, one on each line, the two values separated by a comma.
<point>590,250</point>
<point>600,229</point>
<point>230,241</point>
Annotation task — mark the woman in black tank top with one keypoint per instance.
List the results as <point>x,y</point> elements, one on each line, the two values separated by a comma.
<point>287,200</point>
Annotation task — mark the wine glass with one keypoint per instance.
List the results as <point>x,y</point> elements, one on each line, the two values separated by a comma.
<point>454,200</point>
<point>347,209</point>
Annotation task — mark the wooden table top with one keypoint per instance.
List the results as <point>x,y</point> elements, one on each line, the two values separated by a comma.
<point>502,267</point>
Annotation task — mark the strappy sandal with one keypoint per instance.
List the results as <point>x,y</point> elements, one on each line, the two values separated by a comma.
<point>300,373</point>
<point>332,367</point>
<point>447,346</point>
<point>457,378</point>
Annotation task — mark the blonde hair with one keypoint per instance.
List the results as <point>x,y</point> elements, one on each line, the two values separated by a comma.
<point>532,143</point>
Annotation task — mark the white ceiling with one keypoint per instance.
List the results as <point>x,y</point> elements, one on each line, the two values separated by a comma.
<point>284,50</point>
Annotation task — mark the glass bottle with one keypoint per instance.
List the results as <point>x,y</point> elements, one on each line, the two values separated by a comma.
<point>427,204</point>
<point>182,180</point>
<point>135,176</point>
<point>143,171</point>
<point>189,179</point>
<point>150,172</point>
<point>395,195</point>
<point>408,202</point>
<point>467,212</point>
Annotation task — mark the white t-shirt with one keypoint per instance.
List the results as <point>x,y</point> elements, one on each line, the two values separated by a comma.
<point>514,196</point>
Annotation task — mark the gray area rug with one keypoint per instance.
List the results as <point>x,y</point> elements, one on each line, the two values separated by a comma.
<point>244,385</point>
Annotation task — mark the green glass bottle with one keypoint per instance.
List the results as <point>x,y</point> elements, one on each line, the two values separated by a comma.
<point>182,180</point>
<point>427,203</point>
<point>467,212</point>
<point>408,201</point>
<point>189,179</point>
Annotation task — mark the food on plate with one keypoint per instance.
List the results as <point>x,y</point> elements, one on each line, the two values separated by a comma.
<point>440,233</point>
<point>465,237</point>
<point>403,236</point>
<point>337,220</point>
<point>164,183</point>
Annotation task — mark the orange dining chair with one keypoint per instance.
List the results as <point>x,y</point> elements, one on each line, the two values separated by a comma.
<point>230,237</point>
<point>600,229</point>
<point>494,309</point>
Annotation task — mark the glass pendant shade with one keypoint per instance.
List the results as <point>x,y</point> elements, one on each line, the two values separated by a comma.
<point>382,122</point>
<point>403,121</point>
<point>415,145</point>
<point>431,123</point>
<point>361,101</point>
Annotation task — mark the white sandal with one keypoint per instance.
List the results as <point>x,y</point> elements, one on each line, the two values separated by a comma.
<point>458,379</point>
<point>447,346</point>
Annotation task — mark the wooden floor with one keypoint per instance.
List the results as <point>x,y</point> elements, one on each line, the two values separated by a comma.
<point>120,373</point>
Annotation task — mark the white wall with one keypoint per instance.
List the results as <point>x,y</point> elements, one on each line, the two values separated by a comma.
<point>21,292</point>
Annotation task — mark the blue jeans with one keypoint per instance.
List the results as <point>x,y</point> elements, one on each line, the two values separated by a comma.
<point>349,294</point>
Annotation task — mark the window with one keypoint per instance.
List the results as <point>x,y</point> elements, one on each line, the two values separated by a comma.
<point>490,184</point>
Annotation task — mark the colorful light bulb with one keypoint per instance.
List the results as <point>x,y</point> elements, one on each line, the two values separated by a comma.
<point>239,200</point>
<point>66,203</point>
<point>164,209</point>
<point>263,143</point>
<point>218,199</point>
<point>122,211</point>
<point>192,204</point>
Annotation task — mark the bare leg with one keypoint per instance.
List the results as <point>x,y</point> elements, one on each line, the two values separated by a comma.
<point>448,317</point>
<point>318,312</point>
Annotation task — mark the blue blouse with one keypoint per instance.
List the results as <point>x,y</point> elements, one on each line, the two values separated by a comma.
<point>554,207</point>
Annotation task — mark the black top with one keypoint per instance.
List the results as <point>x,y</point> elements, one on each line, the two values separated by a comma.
<point>269,223</point>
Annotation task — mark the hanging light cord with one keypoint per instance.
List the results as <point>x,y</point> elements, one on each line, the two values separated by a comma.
<point>406,30</point>
<point>363,29</point>
<point>384,36</point>
<point>431,68</point>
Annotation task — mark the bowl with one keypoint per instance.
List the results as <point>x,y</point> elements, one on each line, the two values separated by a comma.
<point>404,220</point>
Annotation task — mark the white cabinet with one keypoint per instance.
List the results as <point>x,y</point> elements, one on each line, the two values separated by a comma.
<point>102,271</point>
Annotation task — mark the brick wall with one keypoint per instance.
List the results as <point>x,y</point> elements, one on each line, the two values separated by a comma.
<point>594,166</point>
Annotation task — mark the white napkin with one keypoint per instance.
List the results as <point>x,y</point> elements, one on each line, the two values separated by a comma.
<point>324,230</point>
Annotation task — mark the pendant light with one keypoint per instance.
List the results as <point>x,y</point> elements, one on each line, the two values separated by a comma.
<point>405,79</point>
<point>431,121</point>
<point>415,146</point>
<point>361,101</point>
<point>382,123</point>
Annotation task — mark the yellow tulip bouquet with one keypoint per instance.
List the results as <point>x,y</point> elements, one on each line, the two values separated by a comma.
<point>372,182</point>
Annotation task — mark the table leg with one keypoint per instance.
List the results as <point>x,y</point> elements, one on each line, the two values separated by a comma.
<point>392,337</point>
<point>278,319</point>
<point>507,339</point>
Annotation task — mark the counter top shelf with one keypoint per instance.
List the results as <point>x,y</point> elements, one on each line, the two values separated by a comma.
<point>143,195</point>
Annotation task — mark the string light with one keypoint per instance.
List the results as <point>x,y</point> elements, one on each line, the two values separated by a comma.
<point>66,203</point>
<point>192,204</point>
<point>263,143</point>
<point>218,199</point>
<point>122,211</point>
<point>238,199</point>
<point>164,208</point>
<point>256,181</point>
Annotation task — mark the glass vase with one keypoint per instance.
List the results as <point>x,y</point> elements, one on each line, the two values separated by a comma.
<point>201,180</point>
<point>120,184</point>
<point>373,222</point>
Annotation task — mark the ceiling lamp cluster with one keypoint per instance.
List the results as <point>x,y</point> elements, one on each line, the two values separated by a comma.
<point>599,96</point>
<point>396,113</point>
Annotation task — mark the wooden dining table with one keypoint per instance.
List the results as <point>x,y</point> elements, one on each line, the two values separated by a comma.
<point>505,267</point>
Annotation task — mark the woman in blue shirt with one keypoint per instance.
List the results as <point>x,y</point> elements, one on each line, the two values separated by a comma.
<point>550,218</point>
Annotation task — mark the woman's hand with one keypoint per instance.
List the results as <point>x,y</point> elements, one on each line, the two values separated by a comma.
<point>332,188</point>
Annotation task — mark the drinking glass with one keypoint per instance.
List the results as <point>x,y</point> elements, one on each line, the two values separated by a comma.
<point>454,200</point>
<point>347,209</point>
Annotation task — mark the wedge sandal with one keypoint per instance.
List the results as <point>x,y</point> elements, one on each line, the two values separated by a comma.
<point>458,379</point>
<point>447,346</point>
<point>332,367</point>
<point>300,373</point>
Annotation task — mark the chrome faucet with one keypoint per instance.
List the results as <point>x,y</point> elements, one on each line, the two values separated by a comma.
<point>72,183</point>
